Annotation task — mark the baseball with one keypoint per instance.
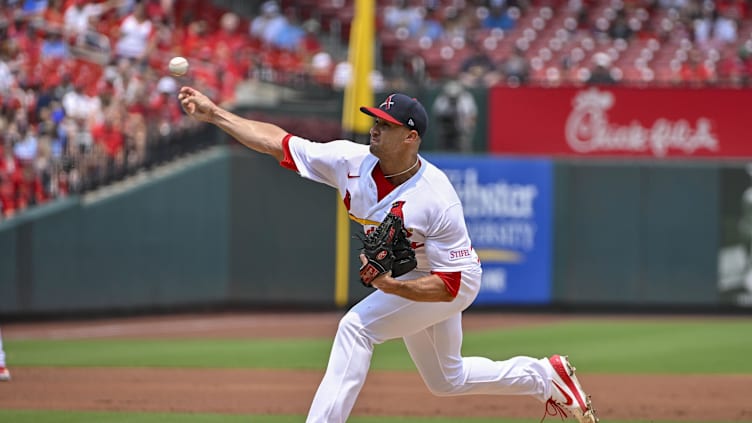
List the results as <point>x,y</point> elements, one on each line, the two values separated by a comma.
<point>178,66</point>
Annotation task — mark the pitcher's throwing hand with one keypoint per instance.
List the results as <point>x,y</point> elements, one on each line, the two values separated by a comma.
<point>196,104</point>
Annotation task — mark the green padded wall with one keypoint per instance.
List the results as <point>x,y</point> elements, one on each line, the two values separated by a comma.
<point>635,233</point>
<point>153,241</point>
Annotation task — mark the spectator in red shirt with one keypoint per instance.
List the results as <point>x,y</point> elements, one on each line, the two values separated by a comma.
<point>228,33</point>
<point>694,71</point>
<point>310,43</point>
<point>730,68</point>
<point>163,106</point>
<point>54,13</point>
<point>196,37</point>
<point>165,43</point>
<point>28,188</point>
<point>205,72</point>
<point>29,42</point>
<point>7,196</point>
<point>10,167</point>
<point>157,9</point>
<point>109,135</point>
<point>230,52</point>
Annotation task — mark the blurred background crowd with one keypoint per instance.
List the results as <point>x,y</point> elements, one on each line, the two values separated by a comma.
<point>85,98</point>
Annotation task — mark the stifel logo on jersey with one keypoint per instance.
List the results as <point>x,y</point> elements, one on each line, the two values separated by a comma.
<point>459,254</point>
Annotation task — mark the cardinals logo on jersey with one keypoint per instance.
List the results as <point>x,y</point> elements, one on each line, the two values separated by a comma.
<point>397,209</point>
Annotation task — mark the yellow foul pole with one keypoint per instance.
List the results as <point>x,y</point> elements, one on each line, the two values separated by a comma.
<point>355,125</point>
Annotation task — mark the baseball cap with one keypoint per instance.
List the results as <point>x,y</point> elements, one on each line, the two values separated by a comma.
<point>402,110</point>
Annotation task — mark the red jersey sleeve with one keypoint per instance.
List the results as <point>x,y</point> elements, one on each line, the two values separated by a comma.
<point>287,162</point>
<point>451,281</point>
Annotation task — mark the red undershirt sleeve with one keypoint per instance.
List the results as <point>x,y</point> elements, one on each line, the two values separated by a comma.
<point>451,281</point>
<point>287,162</point>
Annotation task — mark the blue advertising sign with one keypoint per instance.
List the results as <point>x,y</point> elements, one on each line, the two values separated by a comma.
<point>507,204</point>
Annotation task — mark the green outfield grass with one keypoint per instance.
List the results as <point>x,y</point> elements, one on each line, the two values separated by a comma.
<point>594,345</point>
<point>99,417</point>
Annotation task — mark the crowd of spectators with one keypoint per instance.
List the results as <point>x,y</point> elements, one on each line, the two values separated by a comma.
<point>85,96</point>
<point>486,42</point>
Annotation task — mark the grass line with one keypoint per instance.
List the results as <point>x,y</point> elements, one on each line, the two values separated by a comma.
<point>46,416</point>
<point>596,346</point>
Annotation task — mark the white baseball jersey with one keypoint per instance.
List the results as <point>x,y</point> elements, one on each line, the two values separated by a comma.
<point>431,331</point>
<point>432,210</point>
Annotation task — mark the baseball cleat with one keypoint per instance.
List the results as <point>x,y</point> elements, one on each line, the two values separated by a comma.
<point>4,374</point>
<point>567,394</point>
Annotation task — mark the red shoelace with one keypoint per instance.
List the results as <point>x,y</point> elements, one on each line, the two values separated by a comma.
<point>553,409</point>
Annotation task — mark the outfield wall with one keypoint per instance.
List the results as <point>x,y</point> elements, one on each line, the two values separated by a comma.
<point>223,227</point>
<point>229,227</point>
<point>637,233</point>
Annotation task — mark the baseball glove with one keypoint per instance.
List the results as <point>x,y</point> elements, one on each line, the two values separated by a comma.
<point>387,248</point>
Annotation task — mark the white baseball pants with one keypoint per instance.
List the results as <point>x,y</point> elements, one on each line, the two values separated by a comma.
<point>2,352</point>
<point>432,333</point>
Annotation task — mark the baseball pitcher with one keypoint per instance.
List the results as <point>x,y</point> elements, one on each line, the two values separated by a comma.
<point>416,254</point>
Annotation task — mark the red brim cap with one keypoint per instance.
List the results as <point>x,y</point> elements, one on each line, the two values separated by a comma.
<point>381,114</point>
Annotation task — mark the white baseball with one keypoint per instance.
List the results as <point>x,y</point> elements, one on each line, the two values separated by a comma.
<point>178,66</point>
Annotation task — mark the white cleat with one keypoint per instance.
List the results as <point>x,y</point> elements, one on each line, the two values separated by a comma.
<point>567,395</point>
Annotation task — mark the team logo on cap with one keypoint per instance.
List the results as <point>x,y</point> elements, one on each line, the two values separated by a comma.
<point>388,103</point>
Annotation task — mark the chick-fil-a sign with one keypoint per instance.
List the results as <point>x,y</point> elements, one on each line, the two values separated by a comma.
<point>601,122</point>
